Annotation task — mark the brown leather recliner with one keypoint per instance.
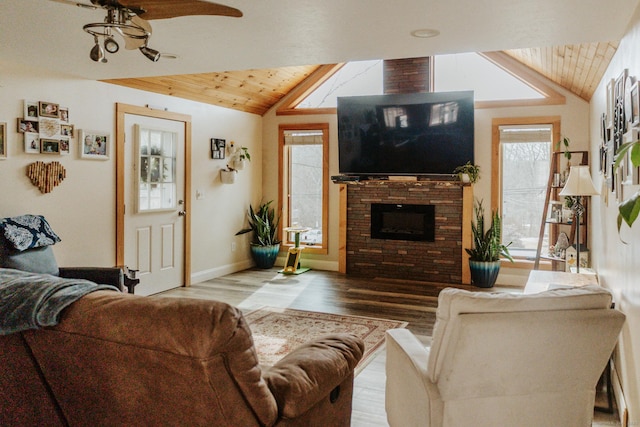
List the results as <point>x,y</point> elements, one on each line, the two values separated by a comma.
<point>124,360</point>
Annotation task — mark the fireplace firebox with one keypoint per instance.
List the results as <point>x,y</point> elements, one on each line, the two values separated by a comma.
<point>403,222</point>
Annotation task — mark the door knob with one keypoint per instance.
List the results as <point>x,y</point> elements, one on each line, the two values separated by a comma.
<point>182,213</point>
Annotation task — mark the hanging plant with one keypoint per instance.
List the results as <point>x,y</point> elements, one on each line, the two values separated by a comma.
<point>629,208</point>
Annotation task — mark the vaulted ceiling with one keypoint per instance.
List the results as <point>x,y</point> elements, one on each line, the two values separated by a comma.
<point>577,68</point>
<point>277,41</point>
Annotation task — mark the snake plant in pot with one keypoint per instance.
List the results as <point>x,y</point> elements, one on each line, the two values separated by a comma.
<point>484,256</point>
<point>265,244</point>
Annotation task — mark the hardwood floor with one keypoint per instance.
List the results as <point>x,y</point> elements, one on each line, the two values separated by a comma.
<point>330,292</point>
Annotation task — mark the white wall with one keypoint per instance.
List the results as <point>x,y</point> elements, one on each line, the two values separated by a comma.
<point>617,263</point>
<point>82,209</point>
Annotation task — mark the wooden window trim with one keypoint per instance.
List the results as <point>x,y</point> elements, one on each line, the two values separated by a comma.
<point>282,197</point>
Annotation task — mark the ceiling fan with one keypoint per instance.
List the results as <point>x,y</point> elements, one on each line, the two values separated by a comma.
<point>129,19</point>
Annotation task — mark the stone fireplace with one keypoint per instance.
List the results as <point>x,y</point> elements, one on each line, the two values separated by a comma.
<point>420,230</point>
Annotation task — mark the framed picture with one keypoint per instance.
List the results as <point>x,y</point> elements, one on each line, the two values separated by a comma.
<point>49,146</point>
<point>28,126</point>
<point>66,130</point>
<point>218,148</point>
<point>65,143</point>
<point>31,110</point>
<point>48,109</point>
<point>64,114</point>
<point>634,116</point>
<point>610,103</point>
<point>31,143</point>
<point>3,140</point>
<point>93,144</point>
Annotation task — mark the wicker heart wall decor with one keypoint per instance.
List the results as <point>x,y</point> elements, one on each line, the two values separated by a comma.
<point>46,176</point>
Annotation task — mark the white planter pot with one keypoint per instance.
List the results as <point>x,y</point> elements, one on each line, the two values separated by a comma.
<point>239,164</point>
<point>465,178</point>
<point>227,177</point>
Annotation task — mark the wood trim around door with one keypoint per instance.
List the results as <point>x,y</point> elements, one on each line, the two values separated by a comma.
<point>121,111</point>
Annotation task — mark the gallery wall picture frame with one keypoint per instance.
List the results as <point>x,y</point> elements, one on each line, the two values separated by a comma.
<point>49,146</point>
<point>66,130</point>
<point>3,140</point>
<point>31,110</point>
<point>635,104</point>
<point>218,147</point>
<point>28,126</point>
<point>65,144</point>
<point>32,143</point>
<point>64,114</point>
<point>94,145</point>
<point>610,103</point>
<point>48,109</point>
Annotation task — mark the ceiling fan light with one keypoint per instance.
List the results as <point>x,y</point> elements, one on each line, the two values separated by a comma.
<point>110,45</point>
<point>152,54</point>
<point>97,53</point>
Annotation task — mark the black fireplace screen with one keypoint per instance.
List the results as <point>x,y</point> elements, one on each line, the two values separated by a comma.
<point>403,222</point>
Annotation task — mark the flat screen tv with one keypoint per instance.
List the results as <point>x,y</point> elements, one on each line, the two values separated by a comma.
<point>405,134</point>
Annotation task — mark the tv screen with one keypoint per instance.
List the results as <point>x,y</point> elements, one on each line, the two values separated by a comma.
<point>405,134</point>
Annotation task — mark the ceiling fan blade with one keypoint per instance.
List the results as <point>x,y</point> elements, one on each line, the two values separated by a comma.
<point>131,43</point>
<point>163,9</point>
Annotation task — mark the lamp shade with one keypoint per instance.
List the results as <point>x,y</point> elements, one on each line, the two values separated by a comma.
<point>579,183</point>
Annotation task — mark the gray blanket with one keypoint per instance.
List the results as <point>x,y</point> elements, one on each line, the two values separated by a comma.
<point>32,301</point>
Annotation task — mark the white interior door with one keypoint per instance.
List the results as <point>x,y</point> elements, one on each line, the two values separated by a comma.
<point>154,224</point>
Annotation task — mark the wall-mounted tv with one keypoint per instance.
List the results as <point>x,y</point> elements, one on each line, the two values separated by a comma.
<point>405,134</point>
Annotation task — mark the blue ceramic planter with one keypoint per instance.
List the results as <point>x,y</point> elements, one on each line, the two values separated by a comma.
<point>484,274</point>
<point>265,256</point>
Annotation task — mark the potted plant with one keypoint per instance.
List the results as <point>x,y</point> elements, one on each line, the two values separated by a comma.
<point>629,208</point>
<point>468,173</point>
<point>265,244</point>
<point>228,175</point>
<point>484,257</point>
<point>240,156</point>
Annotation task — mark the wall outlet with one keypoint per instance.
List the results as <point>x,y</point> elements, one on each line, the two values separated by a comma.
<point>199,194</point>
<point>233,246</point>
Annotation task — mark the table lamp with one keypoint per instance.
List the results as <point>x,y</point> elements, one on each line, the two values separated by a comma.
<point>579,184</point>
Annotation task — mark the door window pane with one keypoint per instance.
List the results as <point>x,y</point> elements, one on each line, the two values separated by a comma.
<point>156,161</point>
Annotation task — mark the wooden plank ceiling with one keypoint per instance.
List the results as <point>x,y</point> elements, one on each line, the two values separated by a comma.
<point>577,68</point>
<point>251,91</point>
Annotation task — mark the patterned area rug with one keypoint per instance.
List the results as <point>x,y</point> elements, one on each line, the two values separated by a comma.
<point>276,332</point>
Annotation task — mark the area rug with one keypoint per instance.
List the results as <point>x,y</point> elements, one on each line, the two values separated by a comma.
<point>276,332</point>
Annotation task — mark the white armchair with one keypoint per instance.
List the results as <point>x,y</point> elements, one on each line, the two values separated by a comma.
<point>500,359</point>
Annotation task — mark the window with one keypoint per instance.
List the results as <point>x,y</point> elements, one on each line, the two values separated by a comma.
<point>156,163</point>
<point>304,164</point>
<point>523,154</point>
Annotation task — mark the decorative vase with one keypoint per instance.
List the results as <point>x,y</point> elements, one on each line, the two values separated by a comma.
<point>265,256</point>
<point>484,273</point>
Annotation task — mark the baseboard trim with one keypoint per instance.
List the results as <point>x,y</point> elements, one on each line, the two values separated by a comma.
<point>212,273</point>
<point>623,412</point>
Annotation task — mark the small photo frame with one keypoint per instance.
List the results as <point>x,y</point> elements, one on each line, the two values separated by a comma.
<point>65,143</point>
<point>31,110</point>
<point>50,146</point>
<point>64,115</point>
<point>3,140</point>
<point>634,115</point>
<point>32,143</point>
<point>218,148</point>
<point>66,130</point>
<point>28,126</point>
<point>48,109</point>
<point>93,145</point>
